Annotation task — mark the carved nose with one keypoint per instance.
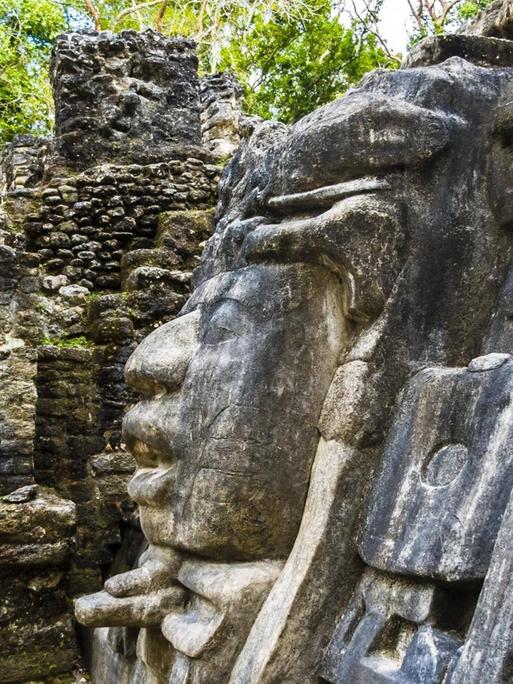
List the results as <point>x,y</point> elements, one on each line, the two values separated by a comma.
<point>159,363</point>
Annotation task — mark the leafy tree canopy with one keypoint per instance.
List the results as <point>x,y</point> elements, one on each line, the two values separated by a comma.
<point>290,65</point>
<point>27,29</point>
<point>290,55</point>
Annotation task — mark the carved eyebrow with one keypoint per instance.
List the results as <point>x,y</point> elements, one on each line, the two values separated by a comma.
<point>221,301</point>
<point>327,194</point>
<point>356,136</point>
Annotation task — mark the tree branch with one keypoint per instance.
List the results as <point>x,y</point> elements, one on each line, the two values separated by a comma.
<point>160,15</point>
<point>201,17</point>
<point>94,13</point>
<point>135,8</point>
<point>417,14</point>
<point>369,29</point>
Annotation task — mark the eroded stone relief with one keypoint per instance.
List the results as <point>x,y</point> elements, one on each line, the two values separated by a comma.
<point>100,229</point>
<point>323,442</point>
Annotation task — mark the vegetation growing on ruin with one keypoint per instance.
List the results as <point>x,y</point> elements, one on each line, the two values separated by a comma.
<point>80,342</point>
<point>290,55</point>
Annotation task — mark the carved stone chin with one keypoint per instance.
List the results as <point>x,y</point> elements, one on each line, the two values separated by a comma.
<point>324,439</point>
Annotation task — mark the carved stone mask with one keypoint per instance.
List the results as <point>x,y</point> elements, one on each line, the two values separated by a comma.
<point>225,449</point>
<point>306,253</point>
<point>343,241</point>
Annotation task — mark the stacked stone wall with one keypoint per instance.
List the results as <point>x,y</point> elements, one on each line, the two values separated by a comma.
<point>128,96</point>
<point>66,341</point>
<point>36,628</point>
<point>97,248</point>
<point>85,224</point>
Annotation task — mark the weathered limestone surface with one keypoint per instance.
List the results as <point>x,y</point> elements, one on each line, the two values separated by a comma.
<point>100,230</point>
<point>223,125</point>
<point>23,162</point>
<point>474,48</point>
<point>320,431</point>
<point>323,443</point>
<point>36,540</point>
<point>495,21</point>
<point>125,96</point>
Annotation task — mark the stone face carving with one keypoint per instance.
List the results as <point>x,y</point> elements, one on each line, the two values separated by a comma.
<point>297,527</point>
<point>216,478</point>
<point>222,435</point>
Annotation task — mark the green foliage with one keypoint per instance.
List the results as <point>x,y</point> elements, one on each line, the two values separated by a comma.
<point>178,17</point>
<point>468,9</point>
<point>79,342</point>
<point>27,30</point>
<point>290,55</point>
<point>291,65</point>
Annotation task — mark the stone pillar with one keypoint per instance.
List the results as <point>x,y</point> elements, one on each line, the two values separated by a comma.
<point>221,104</point>
<point>125,96</point>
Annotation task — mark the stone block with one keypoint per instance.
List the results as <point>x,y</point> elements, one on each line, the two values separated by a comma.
<point>448,457</point>
<point>145,109</point>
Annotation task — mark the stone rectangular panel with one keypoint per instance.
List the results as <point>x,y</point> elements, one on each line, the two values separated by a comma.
<point>446,474</point>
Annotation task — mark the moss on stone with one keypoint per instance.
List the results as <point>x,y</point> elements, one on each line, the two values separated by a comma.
<point>80,342</point>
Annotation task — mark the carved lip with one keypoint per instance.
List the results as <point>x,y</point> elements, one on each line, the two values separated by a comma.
<point>328,194</point>
<point>152,486</point>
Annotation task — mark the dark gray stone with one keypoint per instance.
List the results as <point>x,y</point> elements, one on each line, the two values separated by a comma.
<point>486,52</point>
<point>144,109</point>
<point>446,476</point>
<point>21,495</point>
<point>496,20</point>
<point>487,655</point>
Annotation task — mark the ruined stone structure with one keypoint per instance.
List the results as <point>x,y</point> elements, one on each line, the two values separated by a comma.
<point>101,227</point>
<point>323,447</point>
<point>222,123</point>
<point>321,432</point>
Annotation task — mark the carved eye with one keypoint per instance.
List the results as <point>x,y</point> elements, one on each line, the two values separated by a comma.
<point>226,321</point>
